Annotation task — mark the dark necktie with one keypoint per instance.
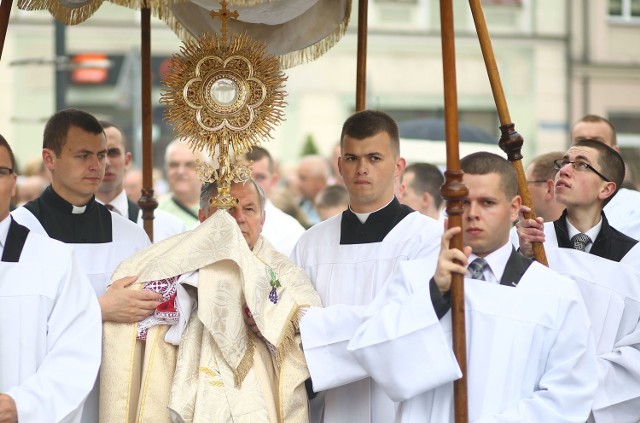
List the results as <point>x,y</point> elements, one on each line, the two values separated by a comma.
<point>580,241</point>
<point>109,206</point>
<point>476,268</point>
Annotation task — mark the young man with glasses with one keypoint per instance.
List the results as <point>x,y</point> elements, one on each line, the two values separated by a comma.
<point>589,175</point>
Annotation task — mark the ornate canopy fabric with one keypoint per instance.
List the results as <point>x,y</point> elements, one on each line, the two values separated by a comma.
<point>297,31</point>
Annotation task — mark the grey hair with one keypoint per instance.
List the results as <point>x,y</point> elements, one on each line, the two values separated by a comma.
<point>208,189</point>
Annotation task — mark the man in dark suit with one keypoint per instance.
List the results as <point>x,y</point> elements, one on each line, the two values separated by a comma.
<point>589,175</point>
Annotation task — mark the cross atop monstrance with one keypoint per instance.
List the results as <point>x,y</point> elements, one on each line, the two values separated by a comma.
<point>224,14</point>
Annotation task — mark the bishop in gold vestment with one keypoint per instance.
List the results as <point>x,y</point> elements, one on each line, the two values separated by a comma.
<point>218,370</point>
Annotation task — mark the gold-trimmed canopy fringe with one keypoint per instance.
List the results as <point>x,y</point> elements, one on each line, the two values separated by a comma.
<point>67,12</point>
<point>296,31</point>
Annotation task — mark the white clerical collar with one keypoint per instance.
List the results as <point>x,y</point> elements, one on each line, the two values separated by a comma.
<point>591,233</point>
<point>78,210</point>
<point>497,261</point>
<point>362,217</point>
<point>4,232</point>
<point>120,204</point>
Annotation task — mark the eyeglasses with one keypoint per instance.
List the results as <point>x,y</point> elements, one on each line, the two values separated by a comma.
<point>5,171</point>
<point>578,165</point>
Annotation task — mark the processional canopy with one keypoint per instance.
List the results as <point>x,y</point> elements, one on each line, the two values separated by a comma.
<point>225,95</point>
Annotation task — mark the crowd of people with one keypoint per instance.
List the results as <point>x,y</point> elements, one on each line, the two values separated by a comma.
<point>324,294</point>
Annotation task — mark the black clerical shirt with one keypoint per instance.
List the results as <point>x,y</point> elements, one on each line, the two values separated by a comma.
<point>376,227</point>
<point>93,226</point>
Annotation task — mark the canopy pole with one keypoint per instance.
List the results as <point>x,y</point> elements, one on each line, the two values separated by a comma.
<point>454,192</point>
<point>146,202</point>
<point>510,141</point>
<point>361,72</point>
<point>5,12</point>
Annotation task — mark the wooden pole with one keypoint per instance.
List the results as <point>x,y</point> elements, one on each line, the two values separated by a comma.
<point>5,12</point>
<point>361,72</point>
<point>510,141</point>
<point>146,202</point>
<point>454,192</point>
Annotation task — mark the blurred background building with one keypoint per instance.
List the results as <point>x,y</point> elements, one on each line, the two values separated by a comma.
<point>559,60</point>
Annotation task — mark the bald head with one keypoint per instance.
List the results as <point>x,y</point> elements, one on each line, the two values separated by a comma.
<point>313,173</point>
<point>181,162</point>
<point>597,128</point>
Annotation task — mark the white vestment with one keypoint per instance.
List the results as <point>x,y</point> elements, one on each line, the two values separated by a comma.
<point>611,292</point>
<point>51,335</point>
<point>282,230</point>
<point>530,353</point>
<point>623,213</point>
<point>348,277</point>
<point>98,261</point>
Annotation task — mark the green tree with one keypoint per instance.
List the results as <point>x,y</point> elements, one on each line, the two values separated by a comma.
<point>309,147</point>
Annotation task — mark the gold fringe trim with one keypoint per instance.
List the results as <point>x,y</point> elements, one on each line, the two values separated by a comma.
<point>314,51</point>
<point>240,372</point>
<point>286,61</point>
<point>66,15</point>
<point>288,336</point>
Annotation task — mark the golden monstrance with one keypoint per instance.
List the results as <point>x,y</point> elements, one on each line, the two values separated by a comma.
<point>225,94</point>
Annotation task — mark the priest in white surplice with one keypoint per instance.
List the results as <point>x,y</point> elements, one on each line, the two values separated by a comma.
<point>529,347</point>
<point>74,149</point>
<point>50,328</point>
<point>349,257</point>
<point>221,372</point>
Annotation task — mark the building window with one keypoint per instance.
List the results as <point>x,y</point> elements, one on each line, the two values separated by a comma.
<point>625,9</point>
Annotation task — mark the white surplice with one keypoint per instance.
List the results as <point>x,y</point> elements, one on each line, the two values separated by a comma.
<point>611,292</point>
<point>348,277</point>
<point>97,260</point>
<point>623,213</point>
<point>530,352</point>
<point>51,334</point>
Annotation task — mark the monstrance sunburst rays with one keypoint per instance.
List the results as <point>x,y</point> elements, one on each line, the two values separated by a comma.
<point>225,96</point>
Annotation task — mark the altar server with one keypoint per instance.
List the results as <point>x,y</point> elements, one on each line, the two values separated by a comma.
<point>50,327</point>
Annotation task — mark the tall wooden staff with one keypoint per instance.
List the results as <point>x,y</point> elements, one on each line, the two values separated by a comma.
<point>361,68</point>
<point>146,202</point>
<point>454,192</point>
<point>5,11</point>
<point>510,140</point>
